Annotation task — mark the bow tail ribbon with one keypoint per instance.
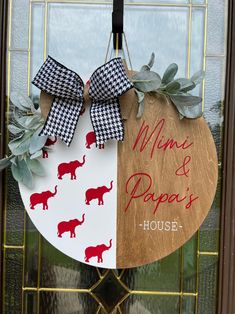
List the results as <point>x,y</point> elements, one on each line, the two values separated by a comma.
<point>66,87</point>
<point>107,121</point>
<point>62,119</point>
<point>107,83</point>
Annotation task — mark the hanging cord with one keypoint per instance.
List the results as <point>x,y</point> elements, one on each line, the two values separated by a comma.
<point>107,51</point>
<point>116,50</point>
<point>127,49</point>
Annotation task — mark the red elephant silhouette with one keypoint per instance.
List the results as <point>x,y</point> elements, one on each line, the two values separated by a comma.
<point>91,139</point>
<point>41,198</point>
<point>69,226</point>
<point>70,167</point>
<point>49,142</point>
<point>98,250</point>
<point>97,193</point>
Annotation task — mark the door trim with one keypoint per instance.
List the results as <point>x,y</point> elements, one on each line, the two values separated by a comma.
<point>226,282</point>
<point>3,48</point>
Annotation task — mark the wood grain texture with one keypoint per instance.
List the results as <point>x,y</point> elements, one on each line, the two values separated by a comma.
<point>137,246</point>
<point>45,103</point>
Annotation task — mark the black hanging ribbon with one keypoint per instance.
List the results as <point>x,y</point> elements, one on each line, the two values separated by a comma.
<point>117,23</point>
<point>107,83</point>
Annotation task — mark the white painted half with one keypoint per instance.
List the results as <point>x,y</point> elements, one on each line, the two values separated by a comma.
<point>69,203</point>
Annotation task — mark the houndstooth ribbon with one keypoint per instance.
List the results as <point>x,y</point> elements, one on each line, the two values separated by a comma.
<point>107,83</point>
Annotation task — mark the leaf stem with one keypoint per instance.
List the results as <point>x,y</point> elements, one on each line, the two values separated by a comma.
<point>141,81</point>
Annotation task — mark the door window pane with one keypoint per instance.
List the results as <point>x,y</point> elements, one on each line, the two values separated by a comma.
<point>38,278</point>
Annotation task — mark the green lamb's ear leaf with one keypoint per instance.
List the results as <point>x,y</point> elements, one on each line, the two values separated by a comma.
<point>28,122</point>
<point>185,84</point>
<point>140,96</point>
<point>170,73</point>
<point>188,88</point>
<point>37,142</point>
<point>20,101</point>
<point>20,145</point>
<point>22,173</point>
<point>198,77</point>
<point>17,175</point>
<point>14,97</point>
<point>14,129</point>
<point>187,106</point>
<point>5,162</point>
<point>186,99</point>
<point>20,120</point>
<point>35,111</point>
<point>32,122</point>
<point>36,155</point>
<point>146,81</point>
<point>173,87</point>
<point>181,116</point>
<point>193,112</point>
<point>149,65</point>
<point>36,167</point>
<point>145,68</point>
<point>14,160</point>
<point>151,61</point>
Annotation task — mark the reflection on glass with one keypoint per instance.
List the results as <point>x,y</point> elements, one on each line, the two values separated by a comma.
<point>207,284</point>
<point>158,1</point>
<point>30,303</point>
<point>59,270</point>
<point>188,305</point>
<point>110,291</point>
<point>37,42</point>
<point>148,304</point>
<point>31,254</point>
<point>67,303</point>
<point>19,73</point>
<point>163,275</point>
<point>13,284</point>
<point>78,35</point>
<point>162,30</point>
<point>216,27</point>
<point>197,45</point>
<point>189,274</point>
<point>15,213</point>
<point>20,24</point>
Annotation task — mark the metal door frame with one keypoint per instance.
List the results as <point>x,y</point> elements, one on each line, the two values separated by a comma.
<point>226,283</point>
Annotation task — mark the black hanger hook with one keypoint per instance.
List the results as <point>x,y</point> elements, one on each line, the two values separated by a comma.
<point>117,23</point>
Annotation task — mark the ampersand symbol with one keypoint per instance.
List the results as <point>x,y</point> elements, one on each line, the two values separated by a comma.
<point>182,171</point>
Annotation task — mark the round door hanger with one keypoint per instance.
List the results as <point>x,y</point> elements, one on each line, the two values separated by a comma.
<point>129,203</point>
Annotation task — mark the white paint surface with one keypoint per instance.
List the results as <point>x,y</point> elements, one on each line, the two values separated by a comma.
<point>69,203</point>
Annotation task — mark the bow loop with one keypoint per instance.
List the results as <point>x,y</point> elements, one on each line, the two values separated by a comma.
<point>67,88</point>
<point>109,81</point>
<point>106,84</point>
<point>57,80</point>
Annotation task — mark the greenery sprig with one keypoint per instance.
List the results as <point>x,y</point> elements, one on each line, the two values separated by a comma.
<point>26,147</point>
<point>177,90</point>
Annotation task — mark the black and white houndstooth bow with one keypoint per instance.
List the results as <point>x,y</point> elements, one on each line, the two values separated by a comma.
<point>107,83</point>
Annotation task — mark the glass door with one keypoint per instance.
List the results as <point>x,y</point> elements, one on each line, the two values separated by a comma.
<point>37,278</point>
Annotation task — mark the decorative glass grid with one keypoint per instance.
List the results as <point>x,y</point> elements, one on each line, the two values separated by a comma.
<point>38,278</point>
